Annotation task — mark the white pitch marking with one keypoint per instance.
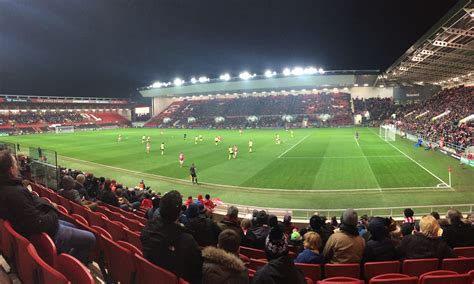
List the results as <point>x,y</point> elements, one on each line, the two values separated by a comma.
<point>288,150</point>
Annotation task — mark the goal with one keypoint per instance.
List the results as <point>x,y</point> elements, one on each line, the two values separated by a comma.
<point>64,129</point>
<point>388,132</point>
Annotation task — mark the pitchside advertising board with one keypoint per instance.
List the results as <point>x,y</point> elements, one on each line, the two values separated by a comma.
<point>62,101</point>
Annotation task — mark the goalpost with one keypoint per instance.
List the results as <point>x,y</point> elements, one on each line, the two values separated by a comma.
<point>388,132</point>
<point>64,129</point>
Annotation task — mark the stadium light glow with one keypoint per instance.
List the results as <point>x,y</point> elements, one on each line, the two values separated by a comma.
<point>245,75</point>
<point>157,85</point>
<point>382,86</point>
<point>269,73</point>
<point>297,71</point>
<point>203,79</point>
<point>321,71</point>
<point>356,85</point>
<point>225,77</point>
<point>287,72</point>
<point>310,71</point>
<point>193,80</point>
<point>178,82</point>
<point>366,85</point>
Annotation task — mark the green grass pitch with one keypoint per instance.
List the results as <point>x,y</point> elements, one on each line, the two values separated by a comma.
<point>316,168</point>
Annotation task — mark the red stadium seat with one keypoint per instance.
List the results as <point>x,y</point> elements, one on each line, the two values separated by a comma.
<point>6,243</point>
<point>344,280</point>
<point>116,230</point>
<point>253,253</point>
<point>79,209</point>
<point>416,267</point>
<point>22,261</point>
<point>346,270</point>
<point>133,225</point>
<point>119,261</point>
<point>46,248</point>
<point>312,271</point>
<point>95,219</point>
<point>130,247</point>
<point>65,202</point>
<point>147,272</point>
<point>75,271</point>
<point>460,265</point>
<point>44,272</point>
<point>372,269</point>
<point>133,238</point>
<point>256,264</point>
<point>394,278</point>
<point>464,251</point>
<point>62,209</point>
<point>443,277</point>
<point>80,219</point>
<point>471,276</point>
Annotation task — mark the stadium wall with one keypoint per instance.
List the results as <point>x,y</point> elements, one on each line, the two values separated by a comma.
<point>371,92</point>
<point>159,104</point>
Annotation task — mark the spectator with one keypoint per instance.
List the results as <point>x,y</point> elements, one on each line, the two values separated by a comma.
<point>280,268</point>
<point>457,233</point>
<point>435,215</point>
<point>146,202</point>
<point>380,247</point>
<point>72,194</point>
<point>317,224</point>
<point>222,264</point>
<point>107,196</point>
<point>231,221</point>
<point>425,244</point>
<point>295,238</point>
<point>345,246</point>
<point>31,215</point>
<point>183,219</point>
<point>311,245</point>
<point>188,201</point>
<point>79,186</point>
<point>334,223</point>
<point>245,224</point>
<point>257,234</point>
<point>154,211</point>
<point>287,225</point>
<point>208,203</point>
<point>167,244</point>
<point>203,229</point>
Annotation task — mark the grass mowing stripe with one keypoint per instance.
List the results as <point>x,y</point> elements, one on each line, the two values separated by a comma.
<point>368,163</point>
<point>288,150</point>
<point>411,159</point>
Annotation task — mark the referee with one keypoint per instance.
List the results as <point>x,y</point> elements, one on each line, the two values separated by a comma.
<point>192,172</point>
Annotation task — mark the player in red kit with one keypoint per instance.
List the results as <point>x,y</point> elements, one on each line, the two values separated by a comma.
<point>181,159</point>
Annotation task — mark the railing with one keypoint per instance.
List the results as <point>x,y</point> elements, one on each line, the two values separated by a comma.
<point>395,212</point>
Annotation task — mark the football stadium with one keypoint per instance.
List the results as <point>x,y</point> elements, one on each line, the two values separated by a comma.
<point>354,172</point>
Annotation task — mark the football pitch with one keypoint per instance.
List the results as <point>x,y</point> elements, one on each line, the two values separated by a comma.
<point>311,168</point>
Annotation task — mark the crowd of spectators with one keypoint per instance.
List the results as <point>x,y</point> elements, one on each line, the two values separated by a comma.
<point>13,119</point>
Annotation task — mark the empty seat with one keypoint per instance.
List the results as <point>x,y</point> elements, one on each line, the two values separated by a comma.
<point>256,264</point>
<point>116,230</point>
<point>253,253</point>
<point>394,278</point>
<point>464,251</point>
<point>75,271</point>
<point>80,219</point>
<point>120,263</point>
<point>460,265</point>
<point>22,261</point>
<point>372,269</point>
<point>416,267</point>
<point>443,277</point>
<point>133,238</point>
<point>6,243</point>
<point>346,270</point>
<point>312,271</point>
<point>130,247</point>
<point>43,272</point>
<point>95,219</point>
<point>345,280</point>
<point>45,247</point>
<point>148,272</point>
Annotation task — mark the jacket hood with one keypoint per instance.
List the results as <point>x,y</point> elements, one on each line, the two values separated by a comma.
<point>223,258</point>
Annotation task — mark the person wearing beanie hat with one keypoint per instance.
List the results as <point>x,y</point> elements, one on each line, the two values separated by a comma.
<point>167,243</point>
<point>345,246</point>
<point>317,224</point>
<point>256,235</point>
<point>425,244</point>
<point>287,225</point>
<point>380,247</point>
<point>310,254</point>
<point>231,221</point>
<point>280,268</point>
<point>203,229</point>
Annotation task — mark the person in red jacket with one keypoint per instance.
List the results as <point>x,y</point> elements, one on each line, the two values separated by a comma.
<point>208,203</point>
<point>146,202</point>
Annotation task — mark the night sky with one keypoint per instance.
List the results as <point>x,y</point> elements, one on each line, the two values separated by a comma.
<point>109,48</point>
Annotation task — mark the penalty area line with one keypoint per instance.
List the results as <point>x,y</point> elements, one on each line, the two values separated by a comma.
<point>297,143</point>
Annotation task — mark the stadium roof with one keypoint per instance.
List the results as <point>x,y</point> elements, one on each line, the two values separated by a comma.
<point>442,56</point>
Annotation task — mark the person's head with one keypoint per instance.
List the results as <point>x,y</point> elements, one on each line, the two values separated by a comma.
<point>199,196</point>
<point>435,215</point>
<point>378,228</point>
<point>276,243</point>
<point>349,218</point>
<point>287,219</point>
<point>407,228</point>
<point>170,206</point>
<point>312,241</point>
<point>8,166</point>
<point>430,227</point>
<point>207,197</point>
<point>272,221</point>
<point>80,178</point>
<point>190,197</point>
<point>229,241</point>
<point>408,213</point>
<point>156,202</point>
<point>261,218</point>
<point>232,212</point>
<point>454,216</point>
<point>315,222</point>
<point>192,211</point>
<point>68,182</point>
<point>246,223</point>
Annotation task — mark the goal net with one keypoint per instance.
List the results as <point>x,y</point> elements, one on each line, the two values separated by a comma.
<point>388,132</point>
<point>64,129</point>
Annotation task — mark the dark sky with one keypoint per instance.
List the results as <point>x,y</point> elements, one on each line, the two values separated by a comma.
<point>109,48</point>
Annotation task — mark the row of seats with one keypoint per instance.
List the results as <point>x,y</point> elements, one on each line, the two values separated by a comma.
<point>432,277</point>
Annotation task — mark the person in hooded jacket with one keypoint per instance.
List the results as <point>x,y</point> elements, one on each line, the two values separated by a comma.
<point>168,244</point>
<point>222,264</point>
<point>317,224</point>
<point>280,268</point>
<point>457,233</point>
<point>379,247</point>
<point>257,234</point>
<point>204,230</point>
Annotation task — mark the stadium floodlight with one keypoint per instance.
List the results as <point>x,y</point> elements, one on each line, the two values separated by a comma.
<point>203,79</point>
<point>366,85</point>
<point>157,85</point>
<point>356,85</point>
<point>321,71</point>
<point>193,80</point>
<point>178,82</point>
<point>225,77</point>
<point>297,71</point>
<point>245,75</point>
<point>269,73</point>
<point>287,72</point>
<point>310,70</point>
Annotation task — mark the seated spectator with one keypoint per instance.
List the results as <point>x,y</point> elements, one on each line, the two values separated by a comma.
<point>231,221</point>
<point>257,234</point>
<point>334,223</point>
<point>345,246</point>
<point>435,215</point>
<point>287,225</point>
<point>167,244</point>
<point>154,211</point>
<point>310,254</point>
<point>146,202</point>
<point>457,233</point>
<point>222,264</point>
<point>245,224</point>
<point>317,224</point>
<point>72,194</point>
<point>183,219</point>
<point>280,268</point>
<point>295,238</point>
<point>31,215</point>
<point>203,229</point>
<point>208,203</point>
<point>123,201</point>
<point>379,247</point>
<point>425,244</point>
<point>188,201</point>
<point>107,196</point>
<point>79,186</point>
